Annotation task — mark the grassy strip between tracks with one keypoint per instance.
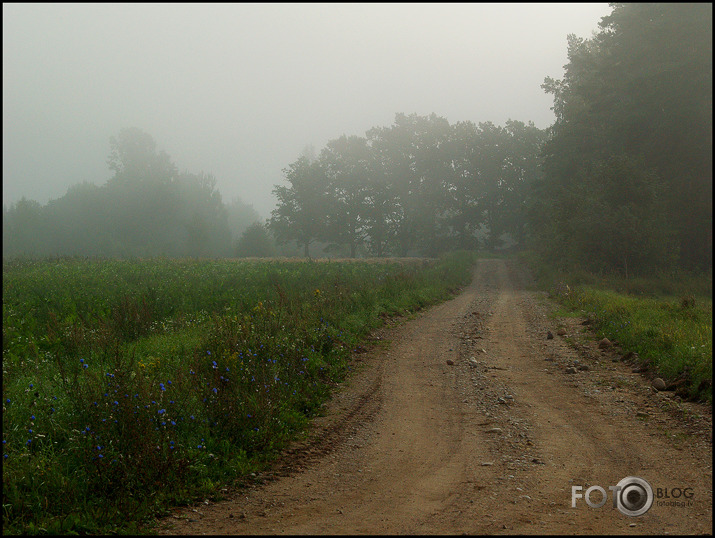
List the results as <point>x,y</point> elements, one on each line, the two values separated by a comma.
<point>131,386</point>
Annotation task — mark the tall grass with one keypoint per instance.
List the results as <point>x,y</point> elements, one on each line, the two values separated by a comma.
<point>132,385</point>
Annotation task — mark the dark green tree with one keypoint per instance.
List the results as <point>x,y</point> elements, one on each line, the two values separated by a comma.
<point>345,163</point>
<point>300,213</point>
<point>641,88</point>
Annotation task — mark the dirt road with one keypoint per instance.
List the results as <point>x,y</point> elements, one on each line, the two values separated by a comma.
<point>492,443</point>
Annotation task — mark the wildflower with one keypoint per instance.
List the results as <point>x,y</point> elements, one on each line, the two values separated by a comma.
<point>32,417</point>
<point>162,387</point>
<point>162,411</point>
<point>215,391</point>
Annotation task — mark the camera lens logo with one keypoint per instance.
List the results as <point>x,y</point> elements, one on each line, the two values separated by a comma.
<point>634,496</point>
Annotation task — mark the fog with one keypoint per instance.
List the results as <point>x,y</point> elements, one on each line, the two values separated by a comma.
<point>240,90</point>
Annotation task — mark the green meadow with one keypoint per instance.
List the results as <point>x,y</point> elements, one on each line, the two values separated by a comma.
<point>131,386</point>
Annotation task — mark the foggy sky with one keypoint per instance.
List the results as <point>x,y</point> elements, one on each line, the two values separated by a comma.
<point>239,90</point>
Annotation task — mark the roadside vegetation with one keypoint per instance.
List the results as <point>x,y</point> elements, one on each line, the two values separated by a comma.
<point>130,386</point>
<point>666,320</point>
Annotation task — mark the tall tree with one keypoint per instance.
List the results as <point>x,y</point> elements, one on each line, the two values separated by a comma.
<point>345,163</point>
<point>300,214</point>
<point>641,89</point>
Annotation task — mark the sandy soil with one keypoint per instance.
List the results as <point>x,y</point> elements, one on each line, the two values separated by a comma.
<point>491,443</point>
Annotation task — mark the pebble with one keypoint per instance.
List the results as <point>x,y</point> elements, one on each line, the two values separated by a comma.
<point>487,463</point>
<point>561,332</point>
<point>605,343</point>
<point>570,370</point>
<point>494,430</point>
<point>450,362</point>
<point>658,384</point>
<point>584,367</point>
<point>549,335</point>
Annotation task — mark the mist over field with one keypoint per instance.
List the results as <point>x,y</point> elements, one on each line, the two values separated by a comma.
<point>359,130</point>
<point>240,90</point>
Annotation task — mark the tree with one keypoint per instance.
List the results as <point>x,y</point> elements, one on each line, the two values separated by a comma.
<point>24,229</point>
<point>463,214</point>
<point>202,215</point>
<point>413,155</point>
<point>240,216</point>
<point>255,242</point>
<point>345,162</point>
<point>641,88</point>
<point>300,214</point>
<point>133,158</point>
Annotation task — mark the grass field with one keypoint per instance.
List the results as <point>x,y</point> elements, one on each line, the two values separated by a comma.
<point>129,386</point>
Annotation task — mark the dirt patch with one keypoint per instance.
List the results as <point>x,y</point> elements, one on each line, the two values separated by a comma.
<point>472,421</point>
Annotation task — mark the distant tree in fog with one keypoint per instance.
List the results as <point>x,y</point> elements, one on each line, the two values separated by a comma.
<point>255,242</point>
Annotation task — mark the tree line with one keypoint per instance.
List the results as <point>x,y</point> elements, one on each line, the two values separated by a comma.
<point>418,187</point>
<point>622,180</point>
<point>147,208</point>
<point>627,168</point>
